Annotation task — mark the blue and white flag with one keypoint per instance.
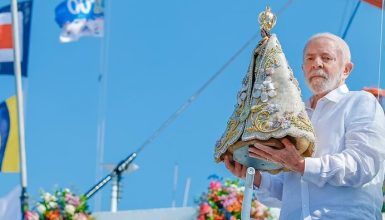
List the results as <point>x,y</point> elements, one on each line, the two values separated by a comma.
<point>79,18</point>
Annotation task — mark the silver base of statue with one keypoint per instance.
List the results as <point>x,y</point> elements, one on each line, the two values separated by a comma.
<point>241,155</point>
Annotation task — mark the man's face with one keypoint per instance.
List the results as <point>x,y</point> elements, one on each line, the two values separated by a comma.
<point>322,65</point>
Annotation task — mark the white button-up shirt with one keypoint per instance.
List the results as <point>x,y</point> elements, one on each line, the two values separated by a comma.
<point>343,180</point>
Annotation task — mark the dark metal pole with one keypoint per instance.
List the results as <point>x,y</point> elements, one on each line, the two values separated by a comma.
<point>118,170</point>
<point>351,19</point>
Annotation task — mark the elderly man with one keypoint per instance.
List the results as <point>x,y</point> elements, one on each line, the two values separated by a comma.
<point>344,178</point>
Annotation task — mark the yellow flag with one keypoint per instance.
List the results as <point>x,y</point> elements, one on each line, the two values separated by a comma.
<point>9,136</point>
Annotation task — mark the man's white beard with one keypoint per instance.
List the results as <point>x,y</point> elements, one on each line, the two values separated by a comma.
<point>324,83</point>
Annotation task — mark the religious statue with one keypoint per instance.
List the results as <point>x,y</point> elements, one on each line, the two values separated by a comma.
<point>269,106</point>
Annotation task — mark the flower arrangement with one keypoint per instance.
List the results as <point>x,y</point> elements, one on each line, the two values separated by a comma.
<point>223,201</point>
<point>62,205</point>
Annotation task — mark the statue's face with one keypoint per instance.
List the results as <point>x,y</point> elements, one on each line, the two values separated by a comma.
<point>322,65</point>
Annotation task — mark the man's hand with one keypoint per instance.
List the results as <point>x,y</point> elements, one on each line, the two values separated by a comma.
<point>287,156</point>
<point>239,170</point>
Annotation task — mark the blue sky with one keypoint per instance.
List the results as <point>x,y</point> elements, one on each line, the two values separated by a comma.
<point>158,53</point>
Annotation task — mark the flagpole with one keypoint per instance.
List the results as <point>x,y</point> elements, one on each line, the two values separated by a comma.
<point>20,106</point>
<point>102,102</point>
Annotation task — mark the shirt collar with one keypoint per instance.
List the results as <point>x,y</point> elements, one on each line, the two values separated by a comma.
<point>337,94</point>
<point>334,95</point>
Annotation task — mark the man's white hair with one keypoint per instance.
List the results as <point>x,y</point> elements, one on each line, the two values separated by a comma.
<point>339,42</point>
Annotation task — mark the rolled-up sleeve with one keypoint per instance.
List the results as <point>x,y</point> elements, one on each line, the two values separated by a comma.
<point>363,151</point>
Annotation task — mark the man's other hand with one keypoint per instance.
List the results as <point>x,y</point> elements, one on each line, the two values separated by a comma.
<point>288,156</point>
<point>239,170</point>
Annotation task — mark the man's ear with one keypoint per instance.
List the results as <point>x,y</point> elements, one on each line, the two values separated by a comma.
<point>348,69</point>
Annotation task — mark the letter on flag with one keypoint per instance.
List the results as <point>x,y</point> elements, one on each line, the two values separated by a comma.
<point>6,37</point>
<point>9,136</point>
<point>78,18</point>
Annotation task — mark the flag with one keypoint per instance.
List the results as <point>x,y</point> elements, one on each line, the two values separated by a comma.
<point>9,136</point>
<point>10,205</point>
<point>78,18</point>
<point>378,93</point>
<point>6,37</point>
<point>377,3</point>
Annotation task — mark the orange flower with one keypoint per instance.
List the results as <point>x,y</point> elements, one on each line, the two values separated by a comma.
<point>201,217</point>
<point>216,198</point>
<point>237,207</point>
<point>219,217</point>
<point>53,215</point>
<point>229,208</point>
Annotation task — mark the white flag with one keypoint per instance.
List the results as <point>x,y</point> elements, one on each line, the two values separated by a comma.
<point>10,206</point>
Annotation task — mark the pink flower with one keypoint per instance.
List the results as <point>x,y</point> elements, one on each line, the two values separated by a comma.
<point>205,208</point>
<point>228,201</point>
<point>29,215</point>
<point>72,200</point>
<point>215,185</point>
<point>80,216</point>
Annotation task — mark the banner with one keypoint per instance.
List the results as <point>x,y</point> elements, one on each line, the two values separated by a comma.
<point>78,18</point>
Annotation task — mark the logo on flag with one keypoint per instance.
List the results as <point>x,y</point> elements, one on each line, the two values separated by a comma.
<point>6,37</point>
<point>9,136</point>
<point>79,18</point>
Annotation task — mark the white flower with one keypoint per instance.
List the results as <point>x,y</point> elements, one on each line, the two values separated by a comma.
<point>67,190</point>
<point>53,198</point>
<point>41,209</point>
<point>47,197</point>
<point>70,209</point>
<point>52,204</point>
